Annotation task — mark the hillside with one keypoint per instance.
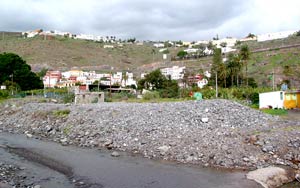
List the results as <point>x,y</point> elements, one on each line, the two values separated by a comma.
<point>63,54</point>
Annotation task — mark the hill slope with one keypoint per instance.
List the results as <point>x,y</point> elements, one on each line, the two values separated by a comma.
<point>63,54</point>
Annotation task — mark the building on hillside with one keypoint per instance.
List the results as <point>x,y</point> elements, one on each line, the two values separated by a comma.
<point>129,81</point>
<point>52,78</point>
<point>175,72</point>
<point>185,43</point>
<point>73,72</point>
<point>227,49</point>
<point>273,36</point>
<point>159,45</point>
<point>198,79</point>
<point>85,37</point>
<point>208,52</point>
<point>246,39</point>
<point>30,34</point>
<point>201,42</point>
<point>230,42</point>
<point>108,46</point>
<point>191,50</point>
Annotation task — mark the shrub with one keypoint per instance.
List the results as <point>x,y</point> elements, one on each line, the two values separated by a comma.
<point>151,95</point>
<point>61,113</point>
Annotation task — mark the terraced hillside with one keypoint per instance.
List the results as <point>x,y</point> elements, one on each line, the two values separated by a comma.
<point>63,54</point>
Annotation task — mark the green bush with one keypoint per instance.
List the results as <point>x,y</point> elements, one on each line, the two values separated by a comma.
<point>4,94</point>
<point>61,113</point>
<point>68,98</point>
<point>151,95</point>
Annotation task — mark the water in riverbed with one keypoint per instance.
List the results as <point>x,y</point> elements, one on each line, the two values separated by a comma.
<point>98,169</point>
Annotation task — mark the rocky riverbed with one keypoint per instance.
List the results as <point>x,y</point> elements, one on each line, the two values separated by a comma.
<point>218,133</point>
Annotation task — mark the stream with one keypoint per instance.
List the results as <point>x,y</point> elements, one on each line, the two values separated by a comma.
<point>51,165</point>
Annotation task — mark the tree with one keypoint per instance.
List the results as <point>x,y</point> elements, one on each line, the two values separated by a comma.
<point>182,54</point>
<point>234,67</point>
<point>245,56</point>
<point>250,35</point>
<point>125,78</point>
<point>15,69</point>
<point>156,81</point>
<point>210,45</point>
<point>153,81</point>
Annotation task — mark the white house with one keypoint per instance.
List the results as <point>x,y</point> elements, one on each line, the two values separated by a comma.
<point>108,46</point>
<point>85,37</point>
<point>174,72</point>
<point>52,78</point>
<point>202,83</point>
<point>191,50</point>
<point>273,36</point>
<point>273,99</point>
<point>129,81</point>
<point>227,49</point>
<point>159,45</point>
<point>230,42</point>
<point>207,51</point>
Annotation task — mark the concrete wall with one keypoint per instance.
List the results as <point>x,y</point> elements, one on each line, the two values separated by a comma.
<point>89,97</point>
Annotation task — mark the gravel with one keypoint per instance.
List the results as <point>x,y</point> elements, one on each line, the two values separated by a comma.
<point>210,132</point>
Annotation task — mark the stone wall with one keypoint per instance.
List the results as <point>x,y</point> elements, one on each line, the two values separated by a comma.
<point>89,97</point>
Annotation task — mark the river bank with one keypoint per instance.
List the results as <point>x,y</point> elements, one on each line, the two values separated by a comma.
<point>216,133</point>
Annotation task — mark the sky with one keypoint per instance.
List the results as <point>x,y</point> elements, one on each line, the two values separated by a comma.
<point>187,20</point>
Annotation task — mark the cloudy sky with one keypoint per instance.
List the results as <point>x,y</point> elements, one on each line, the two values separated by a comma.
<point>152,19</point>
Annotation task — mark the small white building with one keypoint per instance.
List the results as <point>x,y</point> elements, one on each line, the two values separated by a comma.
<point>273,99</point>
<point>108,46</point>
<point>175,72</point>
<point>202,83</point>
<point>191,50</point>
<point>159,45</point>
<point>273,36</point>
<point>230,42</point>
<point>207,51</point>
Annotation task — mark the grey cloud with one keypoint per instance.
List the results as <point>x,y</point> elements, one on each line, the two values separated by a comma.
<point>143,19</point>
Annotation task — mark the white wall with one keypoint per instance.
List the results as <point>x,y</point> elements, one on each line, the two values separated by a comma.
<point>274,99</point>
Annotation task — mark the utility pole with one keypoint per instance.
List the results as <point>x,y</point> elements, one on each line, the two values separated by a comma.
<point>273,79</point>
<point>12,79</point>
<point>110,82</point>
<point>216,84</point>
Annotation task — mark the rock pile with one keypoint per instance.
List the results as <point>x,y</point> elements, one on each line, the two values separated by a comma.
<point>210,132</point>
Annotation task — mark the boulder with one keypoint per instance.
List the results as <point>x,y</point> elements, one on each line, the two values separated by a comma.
<point>272,177</point>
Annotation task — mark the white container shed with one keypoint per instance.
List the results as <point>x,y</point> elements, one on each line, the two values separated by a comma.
<point>273,99</point>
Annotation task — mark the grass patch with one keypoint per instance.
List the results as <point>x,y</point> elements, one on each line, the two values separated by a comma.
<point>61,113</point>
<point>67,130</point>
<point>277,112</point>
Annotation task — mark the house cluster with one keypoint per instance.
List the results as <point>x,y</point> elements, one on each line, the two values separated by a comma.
<point>78,77</point>
<point>30,34</point>
<point>75,77</point>
<point>226,44</point>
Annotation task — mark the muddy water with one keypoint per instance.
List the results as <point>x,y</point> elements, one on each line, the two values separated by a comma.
<point>94,168</point>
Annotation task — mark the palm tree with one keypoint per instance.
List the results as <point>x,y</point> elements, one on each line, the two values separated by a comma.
<point>234,67</point>
<point>125,78</point>
<point>245,56</point>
